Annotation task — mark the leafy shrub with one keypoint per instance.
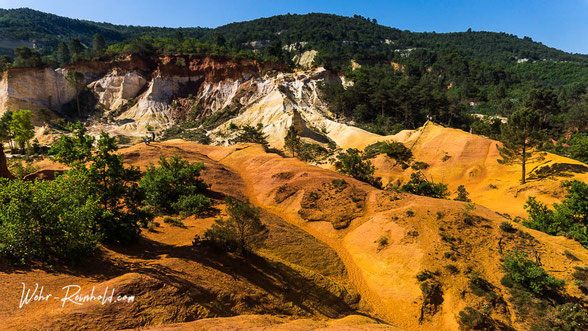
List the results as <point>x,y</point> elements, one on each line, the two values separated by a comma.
<point>339,183</point>
<point>528,274</point>
<point>579,146</point>
<point>462,194</point>
<point>151,225</point>
<point>581,278</point>
<point>452,269</point>
<point>479,285</point>
<point>311,152</point>
<point>392,149</point>
<point>49,220</point>
<point>173,221</point>
<point>115,185</point>
<point>181,132</point>
<point>426,274</point>
<point>175,186</point>
<point>220,117</point>
<point>21,169</point>
<point>383,242</point>
<point>191,204</point>
<point>252,134</point>
<point>352,164</point>
<point>472,319</point>
<point>570,316</point>
<point>507,227</point>
<point>569,217</point>
<point>419,185</point>
<point>241,231</point>
<point>419,165</point>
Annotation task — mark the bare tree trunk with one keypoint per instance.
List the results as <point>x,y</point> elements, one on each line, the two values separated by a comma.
<point>79,111</point>
<point>524,161</point>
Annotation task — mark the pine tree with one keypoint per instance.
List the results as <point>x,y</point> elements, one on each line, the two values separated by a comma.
<point>76,80</point>
<point>462,194</point>
<point>292,141</point>
<point>98,45</point>
<point>521,133</point>
<point>76,48</point>
<point>63,55</point>
<point>242,231</point>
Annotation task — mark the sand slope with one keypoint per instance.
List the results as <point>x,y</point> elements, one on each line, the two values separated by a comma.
<point>458,158</point>
<point>326,230</point>
<point>386,277</point>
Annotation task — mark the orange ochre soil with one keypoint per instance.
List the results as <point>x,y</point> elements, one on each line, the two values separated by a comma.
<point>325,264</point>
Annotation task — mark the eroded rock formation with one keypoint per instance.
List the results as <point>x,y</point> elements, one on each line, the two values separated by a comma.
<point>4,173</point>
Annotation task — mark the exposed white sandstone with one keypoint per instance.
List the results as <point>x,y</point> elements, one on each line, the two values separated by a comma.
<point>40,90</point>
<point>115,89</point>
<point>276,100</point>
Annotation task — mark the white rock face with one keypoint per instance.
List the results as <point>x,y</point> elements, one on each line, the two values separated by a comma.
<point>153,107</point>
<point>276,100</point>
<point>40,90</point>
<point>114,89</point>
<point>290,98</point>
<point>305,59</point>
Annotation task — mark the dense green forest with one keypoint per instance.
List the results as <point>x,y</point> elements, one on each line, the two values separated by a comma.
<point>47,30</point>
<point>336,36</point>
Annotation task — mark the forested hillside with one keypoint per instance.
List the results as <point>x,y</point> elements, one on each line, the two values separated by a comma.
<point>47,30</point>
<point>401,78</point>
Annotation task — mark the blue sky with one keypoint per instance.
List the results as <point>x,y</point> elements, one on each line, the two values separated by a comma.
<point>561,24</point>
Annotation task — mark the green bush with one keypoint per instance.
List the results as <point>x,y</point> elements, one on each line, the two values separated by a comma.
<point>191,204</point>
<point>570,316</point>
<point>175,186</point>
<point>507,227</point>
<point>392,149</point>
<point>308,152</point>
<point>579,147</point>
<point>569,217</point>
<point>252,134</point>
<point>472,319</point>
<point>419,185</point>
<point>241,231</point>
<point>479,285</point>
<point>419,165</point>
<point>462,194</point>
<point>173,221</point>
<point>528,274</point>
<point>49,220</point>
<point>352,164</point>
<point>383,242</point>
<point>426,274</point>
<point>182,132</point>
<point>21,169</point>
<point>339,183</point>
<point>452,269</point>
<point>116,186</point>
